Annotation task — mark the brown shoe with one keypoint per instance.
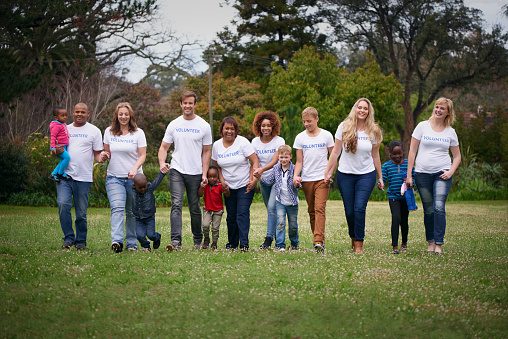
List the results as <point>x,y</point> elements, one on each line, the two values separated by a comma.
<point>206,243</point>
<point>358,247</point>
<point>214,246</point>
<point>170,248</point>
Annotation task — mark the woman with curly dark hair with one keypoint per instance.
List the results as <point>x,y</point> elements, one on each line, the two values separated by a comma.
<point>266,127</point>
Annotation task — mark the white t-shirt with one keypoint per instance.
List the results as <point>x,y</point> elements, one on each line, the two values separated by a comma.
<point>124,151</point>
<point>285,199</point>
<point>233,161</point>
<point>188,137</point>
<point>433,151</point>
<point>361,161</point>
<point>82,142</point>
<point>315,154</point>
<point>265,151</point>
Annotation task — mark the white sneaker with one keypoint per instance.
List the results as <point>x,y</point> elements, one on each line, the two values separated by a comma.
<point>281,249</point>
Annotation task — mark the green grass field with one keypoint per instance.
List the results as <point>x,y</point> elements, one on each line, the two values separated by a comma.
<point>49,292</point>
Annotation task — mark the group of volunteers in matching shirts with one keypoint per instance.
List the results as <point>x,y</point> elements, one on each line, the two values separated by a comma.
<point>240,164</point>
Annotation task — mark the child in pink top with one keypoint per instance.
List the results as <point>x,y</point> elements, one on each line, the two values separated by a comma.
<point>214,206</point>
<point>60,137</point>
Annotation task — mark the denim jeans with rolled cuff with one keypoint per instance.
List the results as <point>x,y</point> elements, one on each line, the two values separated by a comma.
<point>146,228</point>
<point>292,214</point>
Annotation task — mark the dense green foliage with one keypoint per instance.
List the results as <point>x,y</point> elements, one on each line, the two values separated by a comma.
<point>14,164</point>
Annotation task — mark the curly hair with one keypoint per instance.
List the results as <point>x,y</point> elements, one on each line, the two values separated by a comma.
<point>350,134</point>
<point>115,124</point>
<point>274,121</point>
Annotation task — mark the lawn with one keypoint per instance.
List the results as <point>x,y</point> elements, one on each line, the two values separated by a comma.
<point>50,292</point>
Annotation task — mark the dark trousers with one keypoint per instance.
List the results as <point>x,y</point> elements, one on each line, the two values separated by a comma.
<point>238,216</point>
<point>400,214</point>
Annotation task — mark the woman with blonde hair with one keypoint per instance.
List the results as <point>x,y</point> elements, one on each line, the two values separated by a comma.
<point>433,139</point>
<point>357,142</point>
<point>125,146</point>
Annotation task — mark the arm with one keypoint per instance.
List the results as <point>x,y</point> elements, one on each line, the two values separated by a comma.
<point>411,161</point>
<point>254,164</point>
<point>53,132</point>
<point>270,179</point>
<point>138,164</point>
<point>226,191</point>
<point>200,189</point>
<point>297,180</point>
<point>455,164</point>
<point>98,156</point>
<point>157,180</point>
<point>377,165</point>
<point>385,177</point>
<point>332,160</point>
<point>259,172</point>
<point>206,156</point>
<point>163,154</point>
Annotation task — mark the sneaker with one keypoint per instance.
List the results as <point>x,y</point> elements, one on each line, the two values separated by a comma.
<point>206,243</point>
<point>395,251</point>
<point>146,249</point>
<point>64,177</point>
<point>244,248</point>
<point>267,244</point>
<point>157,243</point>
<point>295,248</point>
<point>319,248</point>
<point>117,247</point>
<point>403,247</point>
<point>67,245</point>
<point>131,249</point>
<point>213,247</point>
<point>80,247</point>
<point>281,249</point>
<point>170,248</point>
<point>197,246</point>
<point>54,178</point>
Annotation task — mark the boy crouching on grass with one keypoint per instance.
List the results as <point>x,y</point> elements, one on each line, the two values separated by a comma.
<point>214,206</point>
<point>286,198</point>
<point>143,208</point>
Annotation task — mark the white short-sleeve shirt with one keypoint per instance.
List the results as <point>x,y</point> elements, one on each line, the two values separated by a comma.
<point>188,138</point>
<point>233,161</point>
<point>83,141</point>
<point>361,161</point>
<point>433,152</point>
<point>124,151</point>
<point>265,151</point>
<point>315,154</point>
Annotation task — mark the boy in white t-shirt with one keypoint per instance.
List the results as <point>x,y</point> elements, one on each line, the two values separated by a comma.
<point>312,148</point>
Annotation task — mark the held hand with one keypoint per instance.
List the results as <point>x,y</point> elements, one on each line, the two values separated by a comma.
<point>164,168</point>
<point>132,173</point>
<point>381,185</point>
<point>258,172</point>
<point>204,180</point>
<point>203,184</point>
<point>446,175</point>
<point>104,156</point>
<point>297,181</point>
<point>251,184</point>
<point>328,178</point>
<point>225,188</point>
<point>409,182</point>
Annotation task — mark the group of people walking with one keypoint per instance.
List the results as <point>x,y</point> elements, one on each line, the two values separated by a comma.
<point>240,164</point>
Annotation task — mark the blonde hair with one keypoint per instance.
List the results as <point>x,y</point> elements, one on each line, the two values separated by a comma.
<point>284,149</point>
<point>310,111</point>
<point>451,112</point>
<point>350,133</point>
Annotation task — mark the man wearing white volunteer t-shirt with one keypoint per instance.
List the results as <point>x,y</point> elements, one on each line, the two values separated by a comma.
<point>192,139</point>
<point>85,146</point>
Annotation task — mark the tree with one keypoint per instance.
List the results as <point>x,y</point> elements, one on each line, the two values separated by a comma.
<point>313,79</point>
<point>429,45</point>
<point>267,30</point>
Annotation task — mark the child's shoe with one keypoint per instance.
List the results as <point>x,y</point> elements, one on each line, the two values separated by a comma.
<point>64,177</point>
<point>403,247</point>
<point>117,247</point>
<point>319,248</point>
<point>395,250</point>
<point>267,244</point>
<point>206,242</point>
<point>67,245</point>
<point>213,247</point>
<point>157,243</point>
<point>54,178</point>
<point>170,247</point>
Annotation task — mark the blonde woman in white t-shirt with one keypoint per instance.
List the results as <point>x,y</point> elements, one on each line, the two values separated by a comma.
<point>125,146</point>
<point>433,139</point>
<point>266,127</point>
<point>357,141</point>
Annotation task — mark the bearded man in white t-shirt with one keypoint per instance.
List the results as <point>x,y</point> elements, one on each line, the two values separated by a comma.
<point>192,139</point>
<point>85,146</point>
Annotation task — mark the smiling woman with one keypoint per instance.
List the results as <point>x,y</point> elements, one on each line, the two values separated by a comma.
<point>125,146</point>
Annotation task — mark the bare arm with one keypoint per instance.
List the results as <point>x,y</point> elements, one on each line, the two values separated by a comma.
<point>254,164</point>
<point>411,161</point>
<point>163,154</point>
<point>97,156</point>
<point>332,160</point>
<point>377,165</point>
<point>297,180</point>
<point>139,162</point>
<point>455,164</point>
<point>259,172</point>
<point>206,156</point>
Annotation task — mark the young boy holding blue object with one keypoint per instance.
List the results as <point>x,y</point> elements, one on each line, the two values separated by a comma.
<point>286,198</point>
<point>143,208</point>
<point>394,175</point>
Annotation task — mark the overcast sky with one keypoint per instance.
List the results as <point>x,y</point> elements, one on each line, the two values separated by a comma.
<point>202,19</point>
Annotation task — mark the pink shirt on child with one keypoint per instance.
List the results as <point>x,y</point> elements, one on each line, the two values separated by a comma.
<point>59,134</point>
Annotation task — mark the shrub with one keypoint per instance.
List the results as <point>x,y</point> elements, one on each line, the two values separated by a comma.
<point>37,149</point>
<point>13,168</point>
<point>37,199</point>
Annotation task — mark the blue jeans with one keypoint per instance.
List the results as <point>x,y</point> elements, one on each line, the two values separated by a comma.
<point>178,184</point>
<point>120,199</point>
<point>433,192</point>
<point>146,228</point>
<point>66,191</point>
<point>238,216</point>
<point>268,194</point>
<point>64,161</point>
<point>355,190</point>
<point>292,213</point>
